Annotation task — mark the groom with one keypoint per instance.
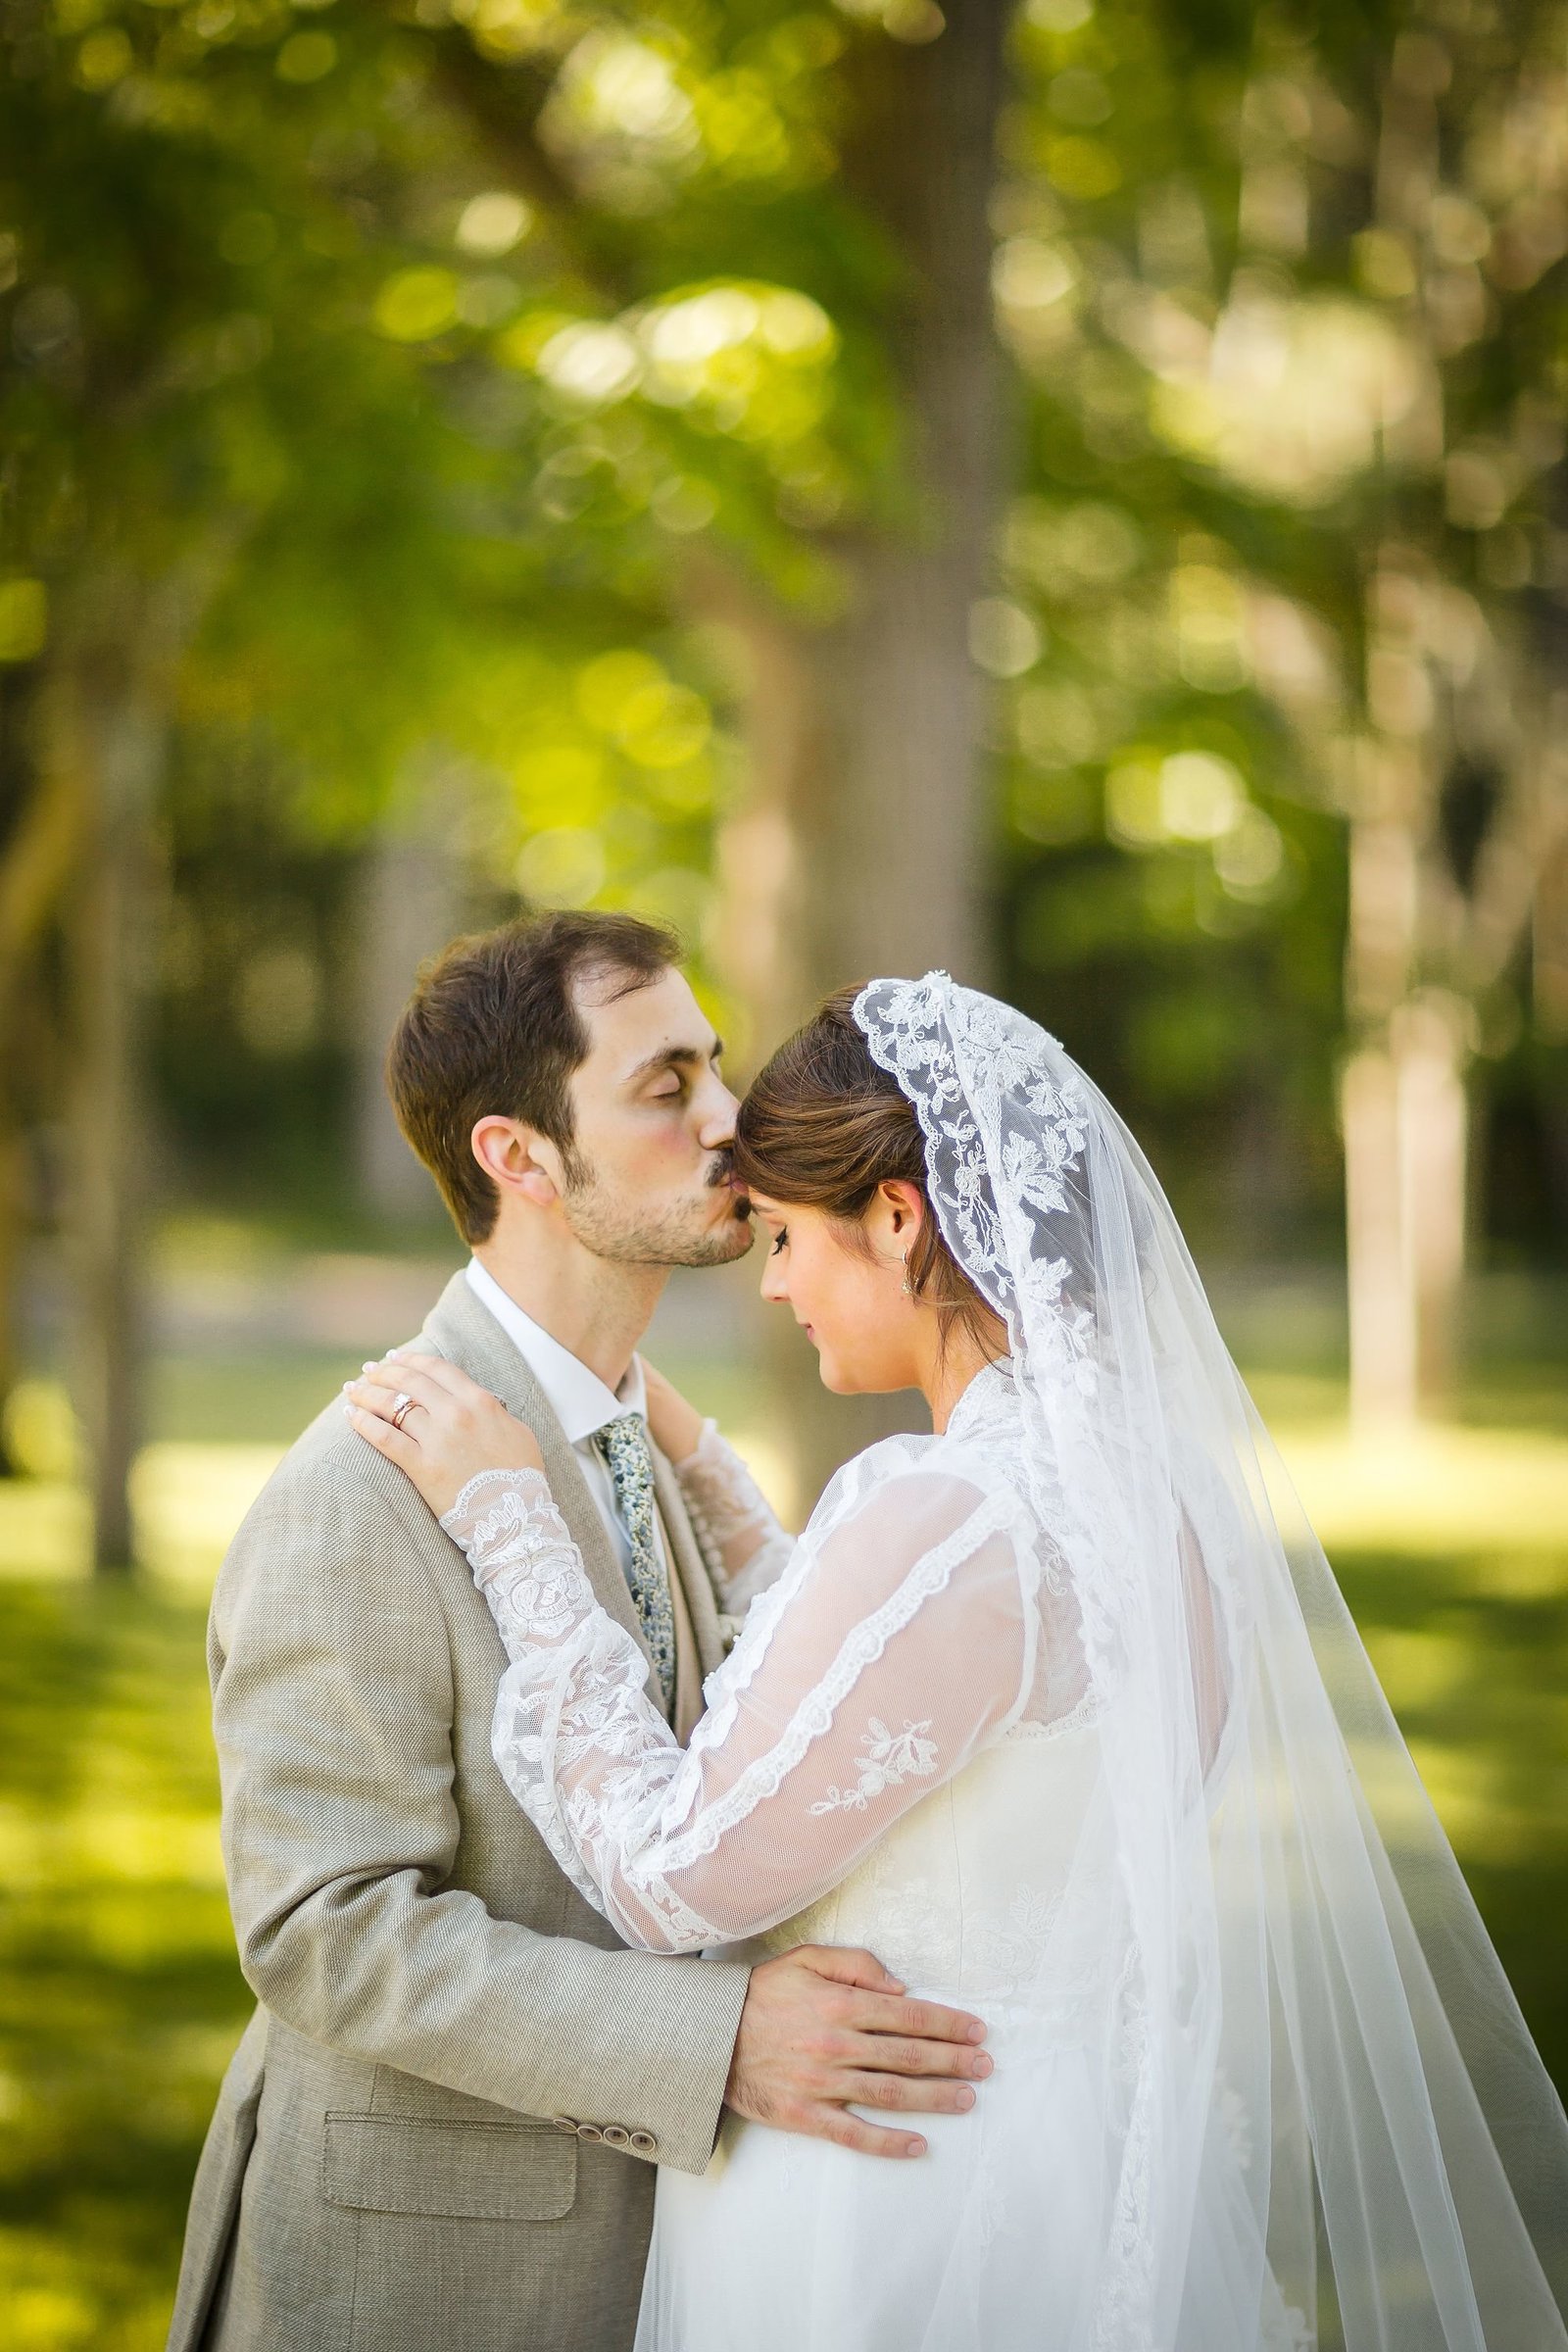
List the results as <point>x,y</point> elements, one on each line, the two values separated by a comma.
<point>439,2132</point>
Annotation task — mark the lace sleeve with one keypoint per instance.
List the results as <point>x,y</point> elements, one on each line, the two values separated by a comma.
<point>735,1518</point>
<point>899,1642</point>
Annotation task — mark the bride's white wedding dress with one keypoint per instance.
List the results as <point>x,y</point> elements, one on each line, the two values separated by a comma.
<point>900,1752</point>
<point>1061,1715</point>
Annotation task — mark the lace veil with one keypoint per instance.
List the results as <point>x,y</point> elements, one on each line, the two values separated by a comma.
<point>1307,1975</point>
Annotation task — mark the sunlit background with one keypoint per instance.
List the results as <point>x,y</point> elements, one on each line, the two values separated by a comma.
<point>1070,492</point>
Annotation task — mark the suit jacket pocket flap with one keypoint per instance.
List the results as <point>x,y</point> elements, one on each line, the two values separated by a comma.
<point>465,2172</point>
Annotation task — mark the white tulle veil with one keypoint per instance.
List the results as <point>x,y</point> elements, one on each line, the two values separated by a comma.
<point>1306,1978</point>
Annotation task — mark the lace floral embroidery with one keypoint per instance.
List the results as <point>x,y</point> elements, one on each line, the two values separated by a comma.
<point>918,1030</point>
<point>815,1715</point>
<point>520,1550</point>
<point>631,1818</point>
<point>889,1757</point>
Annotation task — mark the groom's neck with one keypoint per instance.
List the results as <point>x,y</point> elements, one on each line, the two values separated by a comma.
<point>598,1310</point>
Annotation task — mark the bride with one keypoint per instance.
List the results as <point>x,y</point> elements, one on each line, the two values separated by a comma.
<point>1059,1711</point>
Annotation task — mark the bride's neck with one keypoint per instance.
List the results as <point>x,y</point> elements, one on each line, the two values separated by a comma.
<point>948,1370</point>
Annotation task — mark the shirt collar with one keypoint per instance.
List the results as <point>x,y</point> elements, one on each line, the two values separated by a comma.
<point>579,1399</point>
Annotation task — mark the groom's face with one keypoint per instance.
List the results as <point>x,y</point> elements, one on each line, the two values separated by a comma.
<point>647,1180</point>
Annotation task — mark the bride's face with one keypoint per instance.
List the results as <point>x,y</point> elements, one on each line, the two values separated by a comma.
<point>846,1291</point>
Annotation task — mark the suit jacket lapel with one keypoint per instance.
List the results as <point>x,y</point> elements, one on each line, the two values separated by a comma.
<point>465,1331</point>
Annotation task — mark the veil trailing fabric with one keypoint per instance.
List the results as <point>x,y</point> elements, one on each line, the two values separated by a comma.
<point>1304,1978</point>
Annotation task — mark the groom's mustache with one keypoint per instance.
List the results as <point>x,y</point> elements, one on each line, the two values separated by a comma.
<point>723,1171</point>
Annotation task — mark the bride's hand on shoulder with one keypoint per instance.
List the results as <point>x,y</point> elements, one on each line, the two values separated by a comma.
<point>676,1427</point>
<point>439,1426</point>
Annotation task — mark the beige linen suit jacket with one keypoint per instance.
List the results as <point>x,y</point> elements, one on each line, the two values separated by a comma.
<point>439,2132</point>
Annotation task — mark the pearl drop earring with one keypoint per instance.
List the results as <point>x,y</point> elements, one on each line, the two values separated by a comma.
<point>905,1286</point>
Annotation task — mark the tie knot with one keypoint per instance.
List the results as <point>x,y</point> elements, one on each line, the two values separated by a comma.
<point>624,1438</point>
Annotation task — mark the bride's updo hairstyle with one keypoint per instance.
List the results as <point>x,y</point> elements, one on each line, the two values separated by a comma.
<point>822,1126</point>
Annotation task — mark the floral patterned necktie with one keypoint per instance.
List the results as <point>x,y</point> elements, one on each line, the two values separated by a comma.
<point>624,1445</point>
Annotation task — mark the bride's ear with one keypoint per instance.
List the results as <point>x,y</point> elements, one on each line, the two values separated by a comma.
<point>511,1156</point>
<point>898,1214</point>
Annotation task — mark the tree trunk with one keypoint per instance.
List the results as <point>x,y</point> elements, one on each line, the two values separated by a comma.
<point>12,1225</point>
<point>38,836</point>
<point>1406,1128</point>
<point>1403,1103</point>
<point>870,804</point>
<point>864,844</point>
<point>1383,1338</point>
<point>864,840</point>
<point>1391,851</point>
<point>409,903</point>
<point>117,738</point>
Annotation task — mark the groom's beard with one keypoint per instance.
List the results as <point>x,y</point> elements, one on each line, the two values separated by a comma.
<point>627,1231</point>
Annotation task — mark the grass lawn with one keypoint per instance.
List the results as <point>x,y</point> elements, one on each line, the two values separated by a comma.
<point>120,1998</point>
<point>118,1991</point>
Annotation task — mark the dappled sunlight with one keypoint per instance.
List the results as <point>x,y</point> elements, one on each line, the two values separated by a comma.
<point>1254,399</point>
<point>1427,1491</point>
<point>1451,1546</point>
<point>1432,1489</point>
<point>45,1529</point>
<point>188,1500</point>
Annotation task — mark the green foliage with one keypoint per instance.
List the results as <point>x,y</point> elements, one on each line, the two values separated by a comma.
<point>1257,347</point>
<point>417,356</point>
<point>436,360</point>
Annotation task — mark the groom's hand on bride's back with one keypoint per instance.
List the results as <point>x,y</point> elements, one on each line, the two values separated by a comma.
<point>824,2030</point>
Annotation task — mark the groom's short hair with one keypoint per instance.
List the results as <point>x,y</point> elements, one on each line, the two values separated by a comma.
<point>494,1027</point>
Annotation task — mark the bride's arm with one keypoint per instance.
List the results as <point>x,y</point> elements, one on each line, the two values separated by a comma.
<point>898,1644</point>
<point>742,1537</point>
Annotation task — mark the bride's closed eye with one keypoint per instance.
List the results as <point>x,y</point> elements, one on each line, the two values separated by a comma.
<point>779,1240</point>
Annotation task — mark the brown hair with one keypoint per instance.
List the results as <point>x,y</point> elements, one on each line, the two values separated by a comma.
<point>493,1027</point>
<point>823,1125</point>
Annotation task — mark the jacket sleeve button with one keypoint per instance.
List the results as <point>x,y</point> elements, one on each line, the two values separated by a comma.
<point>589,2131</point>
<point>564,2123</point>
<point>643,2143</point>
<point>616,2136</point>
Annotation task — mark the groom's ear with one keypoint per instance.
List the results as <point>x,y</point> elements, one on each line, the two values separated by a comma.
<point>519,1163</point>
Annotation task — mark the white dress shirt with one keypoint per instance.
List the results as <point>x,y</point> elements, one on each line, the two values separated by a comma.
<point>578,1397</point>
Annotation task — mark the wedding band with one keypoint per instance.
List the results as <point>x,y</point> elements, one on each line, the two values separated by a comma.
<point>402,1407</point>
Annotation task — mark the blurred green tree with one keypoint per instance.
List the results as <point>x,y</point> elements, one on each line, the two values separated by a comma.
<point>830,410</point>
<point>320,430</point>
<point>574,440</point>
<point>185,369</point>
<point>1287,284</point>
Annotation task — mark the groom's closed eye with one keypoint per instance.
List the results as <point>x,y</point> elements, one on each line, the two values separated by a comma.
<point>668,1077</point>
